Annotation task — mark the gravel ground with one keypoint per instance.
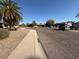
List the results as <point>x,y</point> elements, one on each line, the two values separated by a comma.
<point>9,44</point>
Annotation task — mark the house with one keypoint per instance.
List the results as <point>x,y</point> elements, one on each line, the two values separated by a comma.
<point>63,25</point>
<point>76,25</point>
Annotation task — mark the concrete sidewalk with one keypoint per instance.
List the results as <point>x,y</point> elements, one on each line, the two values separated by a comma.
<point>29,48</point>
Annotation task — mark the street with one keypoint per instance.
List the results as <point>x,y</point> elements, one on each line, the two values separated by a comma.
<point>59,44</point>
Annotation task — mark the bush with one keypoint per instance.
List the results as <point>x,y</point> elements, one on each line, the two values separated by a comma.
<point>50,23</point>
<point>4,33</point>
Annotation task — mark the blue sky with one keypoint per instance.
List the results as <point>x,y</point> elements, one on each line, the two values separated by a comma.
<point>42,10</point>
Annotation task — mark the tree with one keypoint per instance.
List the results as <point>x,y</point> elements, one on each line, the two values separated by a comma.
<point>50,23</point>
<point>23,25</point>
<point>77,15</point>
<point>34,23</point>
<point>10,13</point>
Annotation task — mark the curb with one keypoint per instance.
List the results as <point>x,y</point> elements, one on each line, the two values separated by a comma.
<point>28,48</point>
<point>74,30</point>
<point>40,53</point>
<point>47,57</point>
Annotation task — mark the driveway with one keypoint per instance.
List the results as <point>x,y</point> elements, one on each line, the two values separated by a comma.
<point>59,44</point>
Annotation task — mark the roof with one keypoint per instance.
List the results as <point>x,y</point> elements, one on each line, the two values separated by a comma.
<point>60,23</point>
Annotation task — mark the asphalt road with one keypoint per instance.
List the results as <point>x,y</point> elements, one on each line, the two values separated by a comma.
<point>59,44</point>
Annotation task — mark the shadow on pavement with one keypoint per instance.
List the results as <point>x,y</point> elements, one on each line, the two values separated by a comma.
<point>33,58</point>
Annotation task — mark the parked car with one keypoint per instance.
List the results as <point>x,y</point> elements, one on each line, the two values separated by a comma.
<point>1,25</point>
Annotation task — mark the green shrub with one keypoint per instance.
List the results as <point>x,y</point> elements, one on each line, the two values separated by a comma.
<point>4,33</point>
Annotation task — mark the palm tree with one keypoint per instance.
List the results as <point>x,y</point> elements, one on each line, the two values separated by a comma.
<point>10,12</point>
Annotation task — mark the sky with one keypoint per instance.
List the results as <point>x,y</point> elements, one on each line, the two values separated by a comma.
<point>42,10</point>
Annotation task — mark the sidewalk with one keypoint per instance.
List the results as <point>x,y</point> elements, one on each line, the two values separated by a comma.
<point>29,48</point>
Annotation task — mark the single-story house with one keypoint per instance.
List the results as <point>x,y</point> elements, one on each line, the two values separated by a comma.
<point>63,25</point>
<point>76,25</point>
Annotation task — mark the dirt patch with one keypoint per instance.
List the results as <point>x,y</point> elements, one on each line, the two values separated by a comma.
<point>9,44</point>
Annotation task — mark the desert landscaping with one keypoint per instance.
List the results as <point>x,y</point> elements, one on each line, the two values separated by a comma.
<point>8,44</point>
